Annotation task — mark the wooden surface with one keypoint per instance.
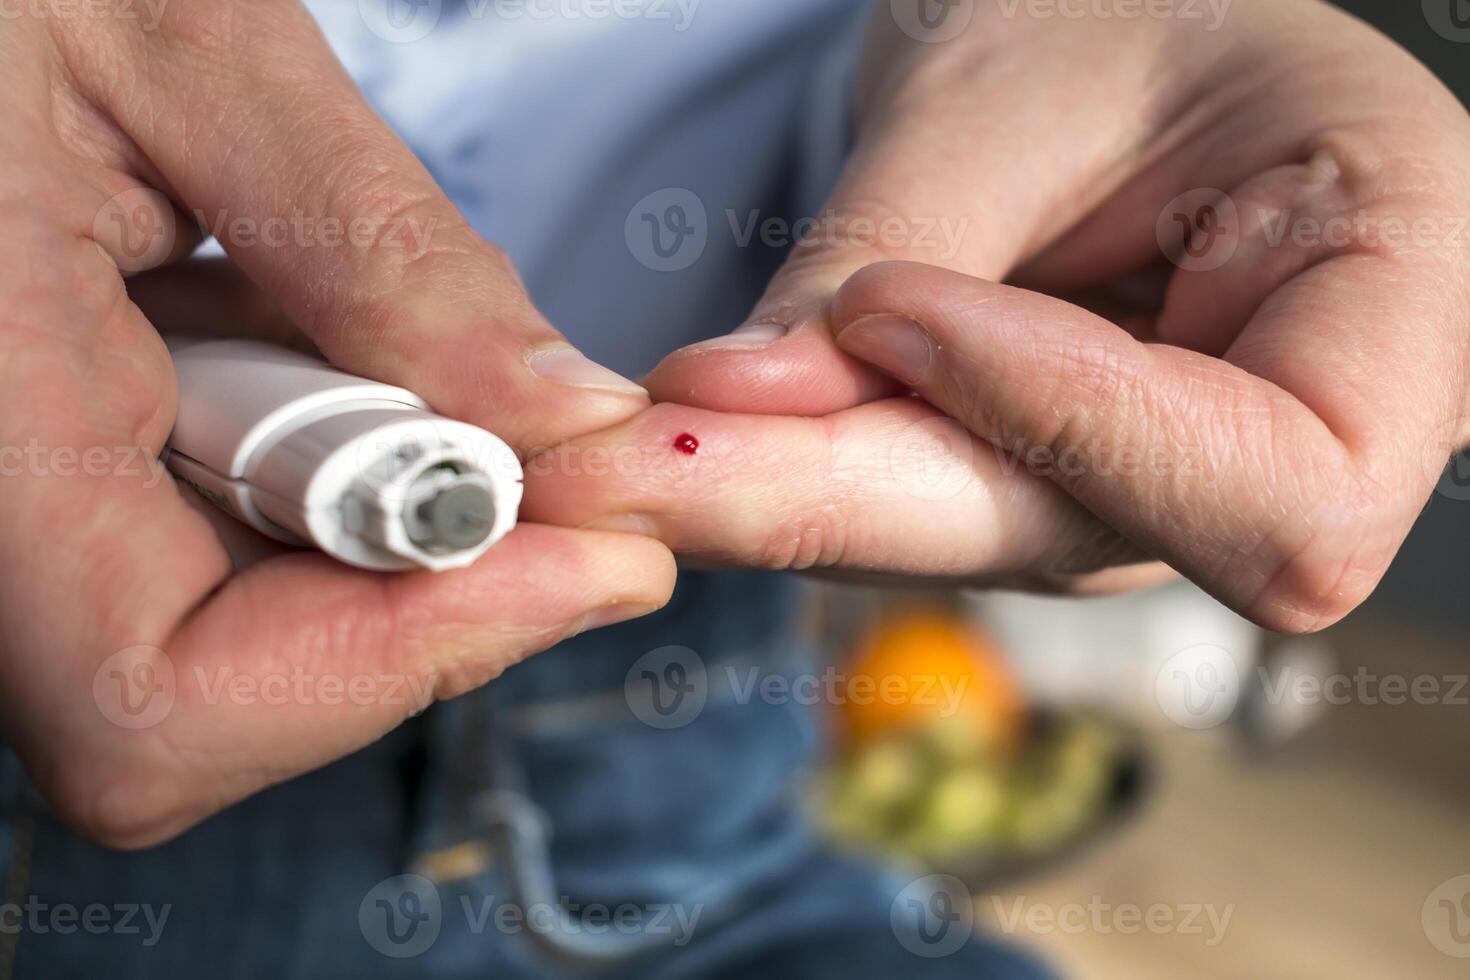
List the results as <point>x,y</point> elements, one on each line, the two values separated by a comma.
<point>1324,850</point>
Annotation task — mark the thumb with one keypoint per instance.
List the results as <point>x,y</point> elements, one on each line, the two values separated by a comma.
<point>320,204</point>
<point>1283,491</point>
<point>954,167</point>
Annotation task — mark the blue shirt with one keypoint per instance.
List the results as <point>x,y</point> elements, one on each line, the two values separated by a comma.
<point>556,135</point>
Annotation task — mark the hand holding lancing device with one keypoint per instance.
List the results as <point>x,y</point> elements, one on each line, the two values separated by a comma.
<point>240,110</point>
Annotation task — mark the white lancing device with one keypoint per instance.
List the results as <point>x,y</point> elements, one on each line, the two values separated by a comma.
<point>312,456</point>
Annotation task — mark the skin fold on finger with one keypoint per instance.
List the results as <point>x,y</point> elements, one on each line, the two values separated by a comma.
<point>300,660</point>
<point>890,487</point>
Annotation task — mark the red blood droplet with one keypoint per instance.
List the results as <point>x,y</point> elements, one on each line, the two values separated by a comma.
<point>686,444</point>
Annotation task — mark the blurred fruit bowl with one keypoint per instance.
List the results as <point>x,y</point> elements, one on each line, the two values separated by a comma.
<point>969,781</point>
<point>942,796</point>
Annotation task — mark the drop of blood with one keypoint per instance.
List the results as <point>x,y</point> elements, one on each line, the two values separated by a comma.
<point>686,444</point>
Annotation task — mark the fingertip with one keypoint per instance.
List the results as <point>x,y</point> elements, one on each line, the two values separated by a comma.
<point>619,576</point>
<point>943,300</point>
<point>797,373</point>
<point>654,564</point>
<point>889,287</point>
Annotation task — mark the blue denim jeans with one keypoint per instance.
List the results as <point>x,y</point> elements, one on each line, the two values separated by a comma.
<point>692,835</point>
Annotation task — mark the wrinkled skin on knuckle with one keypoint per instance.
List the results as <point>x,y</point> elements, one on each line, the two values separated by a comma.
<point>815,539</point>
<point>1326,559</point>
<point>1310,592</point>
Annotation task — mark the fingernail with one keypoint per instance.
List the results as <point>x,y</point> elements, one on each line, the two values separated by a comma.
<point>750,337</point>
<point>569,366</point>
<point>619,612</point>
<point>895,344</point>
<point>625,524</point>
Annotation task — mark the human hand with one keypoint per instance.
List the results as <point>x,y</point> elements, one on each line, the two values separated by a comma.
<point>1268,415</point>
<point>143,682</point>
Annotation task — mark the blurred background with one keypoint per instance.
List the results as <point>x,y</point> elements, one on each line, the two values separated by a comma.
<point>1149,787</point>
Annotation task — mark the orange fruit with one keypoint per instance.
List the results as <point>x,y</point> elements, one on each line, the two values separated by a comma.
<point>926,670</point>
